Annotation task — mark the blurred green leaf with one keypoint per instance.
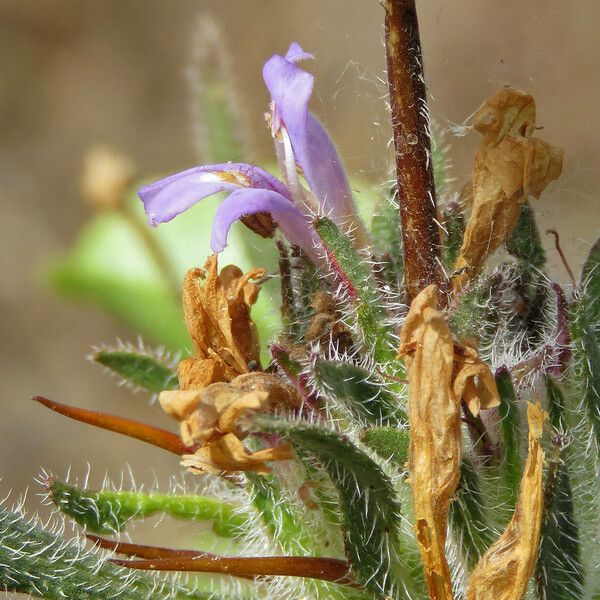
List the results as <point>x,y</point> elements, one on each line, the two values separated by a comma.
<point>110,267</point>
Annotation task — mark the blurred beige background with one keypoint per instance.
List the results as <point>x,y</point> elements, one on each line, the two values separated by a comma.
<point>76,73</point>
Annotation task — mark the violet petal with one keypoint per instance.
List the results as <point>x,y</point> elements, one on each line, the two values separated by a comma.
<point>296,54</point>
<point>291,89</point>
<point>166,198</point>
<point>291,220</point>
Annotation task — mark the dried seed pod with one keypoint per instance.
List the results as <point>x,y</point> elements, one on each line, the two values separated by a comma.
<point>505,569</point>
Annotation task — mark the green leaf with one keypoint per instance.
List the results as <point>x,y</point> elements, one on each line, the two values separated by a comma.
<point>285,527</point>
<point>468,518</point>
<point>388,241</point>
<point>140,369</point>
<point>37,562</point>
<point>587,360</point>
<point>109,511</point>
<point>110,267</point>
<point>524,242</point>
<point>590,281</point>
<point>556,404</point>
<point>356,277</point>
<point>390,443</point>
<point>511,465</point>
<point>584,327</point>
<point>359,392</point>
<point>560,574</point>
<point>370,508</point>
<point>454,230</point>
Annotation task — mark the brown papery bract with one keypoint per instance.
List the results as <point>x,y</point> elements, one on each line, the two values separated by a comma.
<point>509,167</point>
<point>212,420</point>
<point>217,314</point>
<point>440,374</point>
<point>504,570</point>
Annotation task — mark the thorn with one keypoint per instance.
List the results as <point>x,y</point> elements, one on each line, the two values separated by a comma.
<point>146,433</point>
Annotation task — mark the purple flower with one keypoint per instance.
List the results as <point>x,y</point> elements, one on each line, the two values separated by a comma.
<point>302,146</point>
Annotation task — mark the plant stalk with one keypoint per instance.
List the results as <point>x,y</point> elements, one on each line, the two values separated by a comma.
<point>412,144</point>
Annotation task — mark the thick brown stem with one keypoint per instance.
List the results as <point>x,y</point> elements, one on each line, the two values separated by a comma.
<point>414,168</point>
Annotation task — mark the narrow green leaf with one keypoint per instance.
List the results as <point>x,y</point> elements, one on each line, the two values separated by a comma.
<point>454,230</point>
<point>359,392</point>
<point>587,361</point>
<point>285,527</point>
<point>140,369</point>
<point>110,511</point>
<point>525,242</point>
<point>370,508</point>
<point>584,327</point>
<point>511,463</point>
<point>39,563</point>
<point>590,281</point>
<point>559,570</point>
<point>356,277</point>
<point>556,404</point>
<point>388,242</point>
<point>468,519</point>
<point>390,443</point>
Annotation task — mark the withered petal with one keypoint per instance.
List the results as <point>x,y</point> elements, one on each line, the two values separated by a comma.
<point>503,572</point>
<point>509,167</point>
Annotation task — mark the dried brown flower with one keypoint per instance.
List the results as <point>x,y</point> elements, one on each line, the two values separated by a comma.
<point>509,166</point>
<point>211,418</point>
<point>217,315</point>
<point>440,374</point>
<point>504,571</point>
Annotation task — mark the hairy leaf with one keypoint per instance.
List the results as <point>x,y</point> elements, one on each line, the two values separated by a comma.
<point>390,443</point>
<point>468,518</point>
<point>143,370</point>
<point>370,508</point>
<point>366,398</point>
<point>357,282</point>
<point>524,242</point>
<point>511,464</point>
<point>110,511</point>
<point>559,572</point>
<point>37,562</point>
